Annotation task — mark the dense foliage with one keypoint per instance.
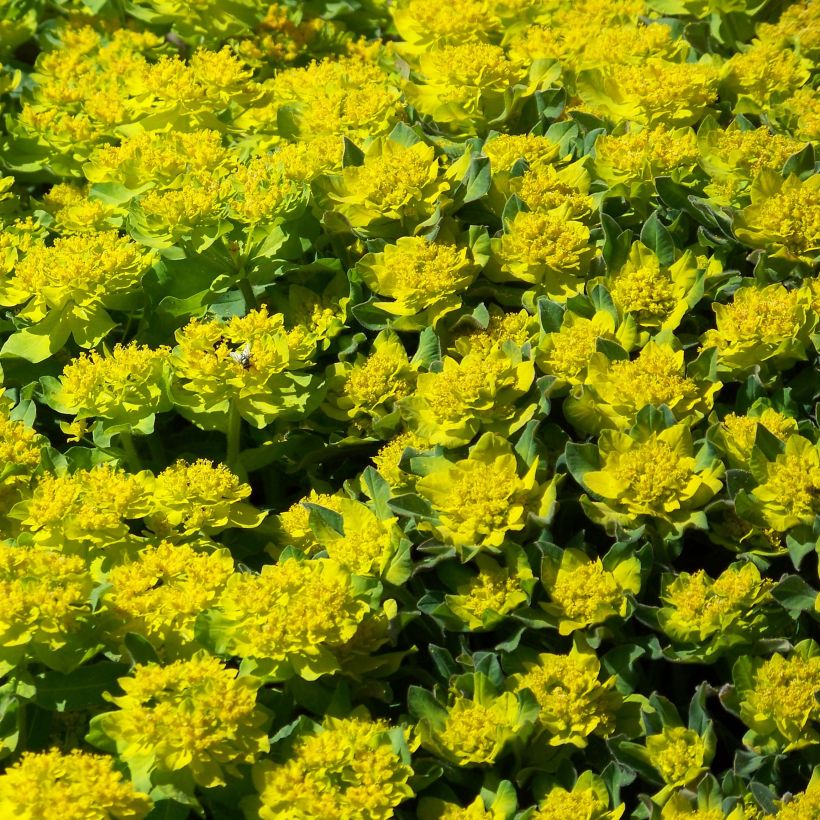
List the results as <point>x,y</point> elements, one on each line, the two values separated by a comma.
<point>409,409</point>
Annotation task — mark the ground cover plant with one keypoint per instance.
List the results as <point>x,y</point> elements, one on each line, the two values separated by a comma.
<point>409,409</point>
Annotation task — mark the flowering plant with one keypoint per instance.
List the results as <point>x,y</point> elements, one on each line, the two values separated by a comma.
<point>409,409</point>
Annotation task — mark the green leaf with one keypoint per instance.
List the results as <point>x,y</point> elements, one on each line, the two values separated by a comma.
<point>429,349</point>
<point>616,243</point>
<point>410,505</point>
<point>113,193</point>
<point>139,648</point>
<point>481,315</point>
<point>737,480</point>
<point>404,135</point>
<point>764,797</point>
<point>622,662</point>
<point>90,327</point>
<point>97,736</point>
<point>581,459</point>
<point>612,350</point>
<point>798,550</point>
<point>632,756</point>
<point>479,178</point>
<point>369,316</point>
<point>81,689</point>
<point>699,719</point>
<point>527,444</point>
<point>379,491</point>
<point>802,163</point>
<point>169,810</point>
<point>658,239</point>
<point>322,516</point>
<point>443,661</point>
<point>550,103</point>
<point>601,299</point>
<point>38,342</point>
<point>704,367</point>
<point>795,595</point>
<point>768,443</point>
<point>673,194</point>
<point>550,314</point>
<point>422,704</point>
<point>353,155</point>
<point>513,206</point>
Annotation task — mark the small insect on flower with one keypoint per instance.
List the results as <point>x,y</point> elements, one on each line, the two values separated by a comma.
<point>243,357</point>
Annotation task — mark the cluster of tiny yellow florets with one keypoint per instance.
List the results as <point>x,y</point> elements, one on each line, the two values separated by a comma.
<point>346,767</point>
<point>76,786</point>
<point>403,403</point>
<point>195,714</point>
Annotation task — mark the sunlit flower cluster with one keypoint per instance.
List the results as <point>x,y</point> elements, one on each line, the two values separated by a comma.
<point>409,409</point>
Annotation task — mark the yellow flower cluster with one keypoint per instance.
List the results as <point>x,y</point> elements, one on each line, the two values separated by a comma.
<point>195,715</point>
<point>409,409</point>
<point>242,366</point>
<point>778,698</point>
<point>573,702</point>
<point>481,498</point>
<point>723,611</point>
<point>290,618</point>
<point>350,767</point>
<point>161,592</point>
<point>127,386</point>
<point>76,786</point>
<point>45,605</point>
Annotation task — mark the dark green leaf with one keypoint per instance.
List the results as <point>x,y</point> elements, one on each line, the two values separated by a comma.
<point>81,689</point>
<point>658,239</point>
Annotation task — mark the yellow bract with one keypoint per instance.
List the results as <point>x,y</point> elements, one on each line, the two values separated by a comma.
<point>573,702</point>
<point>478,500</point>
<point>656,295</point>
<point>614,392</point>
<point>348,767</point>
<point>761,325</point>
<point>652,92</point>
<point>588,798</point>
<point>423,279</point>
<point>244,364</point>
<point>784,216</point>
<point>650,477</point>
<point>450,406</point>
<point>44,602</point>
<point>488,597</point>
<point>723,611</point>
<point>546,250</point>
<point>788,490</point>
<point>200,497</point>
<point>396,188</point>
<point>75,786</point>
<point>291,617</point>
<point>584,593</point>
<point>475,730</point>
<point>80,270</point>
<point>778,698</point>
<point>160,593</point>
<point>127,385</point>
<point>678,754</point>
<point>194,714</point>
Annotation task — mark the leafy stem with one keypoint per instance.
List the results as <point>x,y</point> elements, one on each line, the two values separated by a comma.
<point>131,455</point>
<point>234,433</point>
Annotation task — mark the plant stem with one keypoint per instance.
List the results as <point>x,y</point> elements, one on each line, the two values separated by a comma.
<point>244,284</point>
<point>22,727</point>
<point>157,453</point>
<point>131,454</point>
<point>248,294</point>
<point>234,434</point>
